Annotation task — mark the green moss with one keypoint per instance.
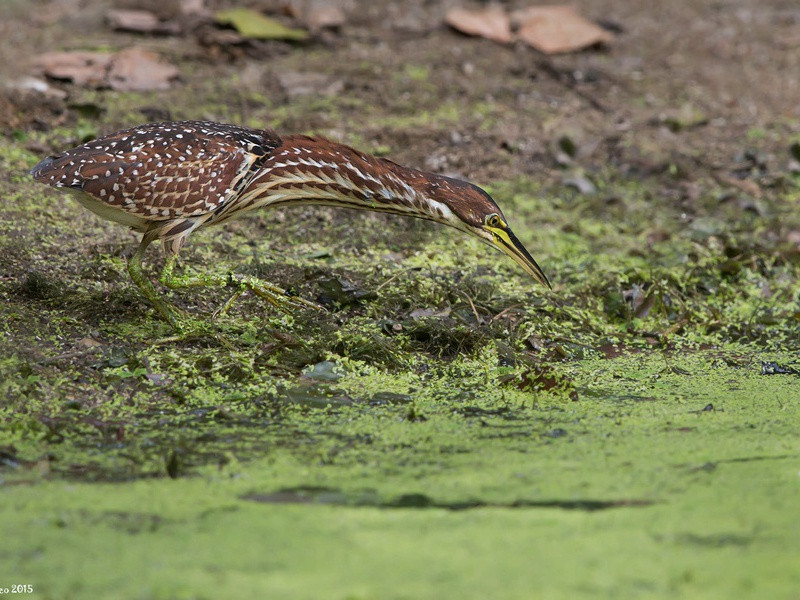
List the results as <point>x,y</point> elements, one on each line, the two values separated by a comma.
<point>417,72</point>
<point>536,475</point>
<point>446,427</point>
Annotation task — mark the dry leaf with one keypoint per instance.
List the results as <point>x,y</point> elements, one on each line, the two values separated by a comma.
<point>320,15</point>
<point>315,14</point>
<point>135,69</point>
<point>793,238</point>
<point>87,69</point>
<point>556,29</point>
<point>88,342</point>
<point>224,38</point>
<point>421,313</point>
<point>193,8</point>
<point>748,186</point>
<point>139,21</point>
<point>491,22</point>
<point>37,86</point>
<point>127,70</point>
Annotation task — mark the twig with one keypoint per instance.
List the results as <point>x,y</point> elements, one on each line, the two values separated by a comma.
<point>503,312</point>
<point>67,355</point>
<point>395,276</point>
<point>474,310</point>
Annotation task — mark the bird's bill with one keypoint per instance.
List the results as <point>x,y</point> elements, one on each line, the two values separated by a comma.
<point>505,240</point>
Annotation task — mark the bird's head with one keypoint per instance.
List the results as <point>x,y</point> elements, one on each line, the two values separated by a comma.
<point>469,208</point>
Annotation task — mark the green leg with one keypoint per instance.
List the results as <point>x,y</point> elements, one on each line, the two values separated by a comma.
<point>135,269</point>
<point>276,296</point>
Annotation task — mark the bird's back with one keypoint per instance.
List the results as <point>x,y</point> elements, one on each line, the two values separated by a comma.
<point>160,171</point>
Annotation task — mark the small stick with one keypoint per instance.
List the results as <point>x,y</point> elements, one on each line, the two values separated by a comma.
<point>474,310</point>
<point>503,312</point>
<point>395,276</point>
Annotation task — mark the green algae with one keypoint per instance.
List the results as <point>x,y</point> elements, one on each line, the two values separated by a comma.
<point>451,432</point>
<point>447,455</point>
<point>634,490</point>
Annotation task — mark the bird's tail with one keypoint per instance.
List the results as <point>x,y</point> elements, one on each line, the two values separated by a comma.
<point>40,171</point>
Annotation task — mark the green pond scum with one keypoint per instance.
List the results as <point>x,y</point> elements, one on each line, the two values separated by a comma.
<point>446,428</point>
<point>445,425</point>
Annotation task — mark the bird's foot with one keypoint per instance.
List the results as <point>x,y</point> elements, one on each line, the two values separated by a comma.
<point>274,295</point>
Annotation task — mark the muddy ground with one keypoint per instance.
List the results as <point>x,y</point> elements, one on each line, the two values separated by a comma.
<point>446,428</point>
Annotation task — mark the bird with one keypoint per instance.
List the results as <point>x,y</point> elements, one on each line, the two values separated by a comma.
<point>165,180</point>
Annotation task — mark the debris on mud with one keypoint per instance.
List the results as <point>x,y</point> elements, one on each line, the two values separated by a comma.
<point>132,69</point>
<point>549,29</point>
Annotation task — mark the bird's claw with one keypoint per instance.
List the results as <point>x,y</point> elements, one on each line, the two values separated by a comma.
<point>277,297</point>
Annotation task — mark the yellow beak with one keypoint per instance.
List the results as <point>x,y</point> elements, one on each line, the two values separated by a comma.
<point>505,240</point>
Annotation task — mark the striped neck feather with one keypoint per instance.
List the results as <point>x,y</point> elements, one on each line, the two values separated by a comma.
<point>313,171</point>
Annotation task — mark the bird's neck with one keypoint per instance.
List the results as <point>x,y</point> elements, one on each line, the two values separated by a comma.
<point>307,170</point>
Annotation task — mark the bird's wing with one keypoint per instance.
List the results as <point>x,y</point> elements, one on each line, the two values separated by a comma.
<point>163,170</point>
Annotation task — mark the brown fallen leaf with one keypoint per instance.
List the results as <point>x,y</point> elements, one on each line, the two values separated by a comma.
<point>322,15</point>
<point>748,186</point>
<point>135,69</point>
<point>139,21</point>
<point>641,302</point>
<point>86,69</point>
<point>792,240</point>
<point>421,313</point>
<point>37,86</point>
<point>194,8</point>
<point>88,342</point>
<point>218,39</point>
<point>544,378</point>
<point>491,22</point>
<point>558,28</point>
<point>127,70</point>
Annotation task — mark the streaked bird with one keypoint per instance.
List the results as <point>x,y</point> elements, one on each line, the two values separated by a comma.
<point>166,180</point>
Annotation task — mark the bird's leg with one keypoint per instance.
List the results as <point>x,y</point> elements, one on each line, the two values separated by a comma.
<point>276,296</point>
<point>145,285</point>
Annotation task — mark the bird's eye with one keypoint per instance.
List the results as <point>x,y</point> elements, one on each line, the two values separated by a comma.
<point>494,221</point>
